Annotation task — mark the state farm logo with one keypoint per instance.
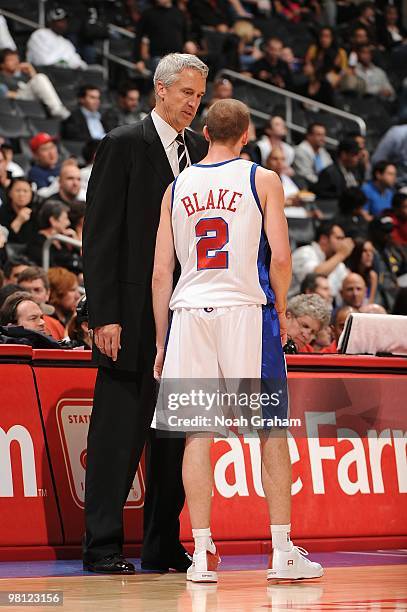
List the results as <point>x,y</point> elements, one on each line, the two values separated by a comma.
<point>73,418</point>
<point>22,436</point>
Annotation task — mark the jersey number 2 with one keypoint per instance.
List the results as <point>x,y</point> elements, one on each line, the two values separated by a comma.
<point>218,231</point>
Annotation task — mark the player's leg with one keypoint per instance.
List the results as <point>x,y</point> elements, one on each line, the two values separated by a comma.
<point>286,561</point>
<point>197,475</point>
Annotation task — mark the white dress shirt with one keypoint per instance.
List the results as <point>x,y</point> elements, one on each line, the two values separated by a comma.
<point>167,136</point>
<point>306,259</point>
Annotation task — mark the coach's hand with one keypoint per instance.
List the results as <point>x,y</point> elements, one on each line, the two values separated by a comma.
<point>107,339</point>
<point>282,319</point>
<point>158,364</point>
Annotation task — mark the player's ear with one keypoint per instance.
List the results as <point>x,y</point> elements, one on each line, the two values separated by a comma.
<point>206,133</point>
<point>245,138</point>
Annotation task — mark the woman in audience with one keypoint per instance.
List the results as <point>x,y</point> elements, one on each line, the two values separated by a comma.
<point>329,59</point>
<point>316,86</point>
<point>17,213</point>
<point>64,295</point>
<point>361,261</point>
<point>53,219</point>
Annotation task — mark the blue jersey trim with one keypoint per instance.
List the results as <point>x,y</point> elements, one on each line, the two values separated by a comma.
<point>273,369</point>
<point>217,164</point>
<point>172,192</point>
<point>253,186</point>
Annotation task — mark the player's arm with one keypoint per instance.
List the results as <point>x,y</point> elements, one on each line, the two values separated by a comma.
<point>162,282</point>
<point>275,225</point>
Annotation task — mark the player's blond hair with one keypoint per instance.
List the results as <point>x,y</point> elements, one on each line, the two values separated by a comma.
<point>227,120</point>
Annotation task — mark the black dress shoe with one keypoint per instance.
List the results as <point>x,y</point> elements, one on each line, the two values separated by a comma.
<point>113,564</point>
<point>179,562</point>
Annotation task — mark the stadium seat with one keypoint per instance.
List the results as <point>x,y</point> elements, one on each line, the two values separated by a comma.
<point>302,231</point>
<point>51,126</point>
<point>31,108</point>
<point>13,127</point>
<point>328,207</point>
<point>7,107</point>
<point>74,148</point>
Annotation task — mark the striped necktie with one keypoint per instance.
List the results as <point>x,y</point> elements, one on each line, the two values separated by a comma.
<point>182,153</point>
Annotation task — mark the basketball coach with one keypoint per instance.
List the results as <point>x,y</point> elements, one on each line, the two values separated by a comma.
<point>133,167</point>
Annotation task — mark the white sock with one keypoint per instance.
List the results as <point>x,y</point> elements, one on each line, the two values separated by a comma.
<point>203,540</point>
<point>280,537</point>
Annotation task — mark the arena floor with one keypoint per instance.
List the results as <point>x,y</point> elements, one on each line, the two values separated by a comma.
<point>375,580</point>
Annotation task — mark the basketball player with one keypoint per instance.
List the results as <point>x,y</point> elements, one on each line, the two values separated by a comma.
<point>220,218</point>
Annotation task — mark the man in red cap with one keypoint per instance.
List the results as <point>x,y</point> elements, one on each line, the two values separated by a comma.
<point>46,166</point>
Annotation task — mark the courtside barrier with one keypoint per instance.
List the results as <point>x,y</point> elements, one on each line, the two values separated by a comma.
<point>28,509</point>
<point>348,456</point>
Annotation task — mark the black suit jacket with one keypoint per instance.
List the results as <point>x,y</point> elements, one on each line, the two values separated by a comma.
<point>331,182</point>
<point>76,127</point>
<point>130,175</point>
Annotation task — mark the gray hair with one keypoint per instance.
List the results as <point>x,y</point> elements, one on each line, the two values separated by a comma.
<point>172,64</point>
<point>310,304</point>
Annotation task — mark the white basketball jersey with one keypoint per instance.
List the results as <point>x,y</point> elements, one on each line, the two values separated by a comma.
<point>219,240</point>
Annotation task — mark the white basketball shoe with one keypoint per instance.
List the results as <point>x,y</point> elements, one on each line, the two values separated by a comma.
<point>204,566</point>
<point>292,565</point>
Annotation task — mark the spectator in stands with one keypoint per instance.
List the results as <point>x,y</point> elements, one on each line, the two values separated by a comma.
<point>20,309</point>
<point>45,167</point>
<point>400,303</point>
<point>78,327</point>
<point>64,294</point>
<point>275,134</point>
<point>361,261</point>
<point>276,161</point>
<point>319,284</point>
<point>17,213</point>
<point>211,13</point>
<point>334,179</point>
<point>306,316</point>
<point>69,184</point>
<point>3,253</point>
<point>6,40</point>
<point>53,219</point>
<point>13,267</point>
<point>311,156</point>
<point>326,256</point>
<point>353,291</point>
<point>25,83</point>
<point>49,47</point>
<point>398,215</point>
<point>7,290</point>
<point>126,109</point>
<point>13,169</point>
<point>391,260</point>
<point>380,190</point>
<point>271,68</point>
<point>372,309</point>
<point>329,59</point>
<point>363,169</point>
<point>316,86</point>
<point>77,218</point>
<point>393,148</point>
<point>221,90</point>
<point>374,78</point>
<point>85,122</point>
<point>167,29</point>
<point>248,50</point>
<point>5,179</point>
<point>390,33</point>
<point>338,325</point>
<point>88,154</point>
<point>35,281</point>
<point>352,217</point>
<point>367,19</point>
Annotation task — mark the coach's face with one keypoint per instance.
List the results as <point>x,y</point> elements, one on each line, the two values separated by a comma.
<point>179,102</point>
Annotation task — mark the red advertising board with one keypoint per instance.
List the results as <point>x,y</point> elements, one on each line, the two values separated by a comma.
<point>66,390</point>
<point>28,508</point>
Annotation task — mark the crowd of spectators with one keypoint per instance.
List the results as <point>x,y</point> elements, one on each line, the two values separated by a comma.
<point>353,195</point>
